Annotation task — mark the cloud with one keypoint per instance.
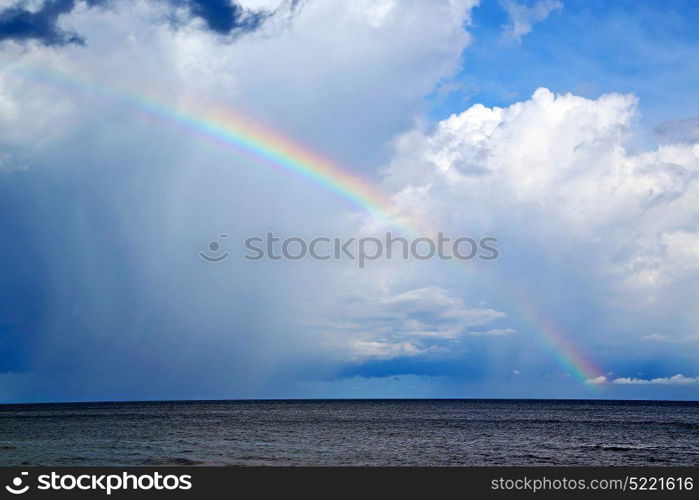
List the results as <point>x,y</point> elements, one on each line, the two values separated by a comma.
<point>410,323</point>
<point>658,337</point>
<point>226,17</point>
<point>364,349</point>
<point>8,163</point>
<point>685,130</point>
<point>19,23</point>
<point>496,332</point>
<point>552,178</point>
<point>523,17</point>
<point>678,379</point>
<point>597,380</point>
<point>111,210</point>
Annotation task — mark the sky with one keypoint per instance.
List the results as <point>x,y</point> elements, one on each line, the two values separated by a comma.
<point>134,133</point>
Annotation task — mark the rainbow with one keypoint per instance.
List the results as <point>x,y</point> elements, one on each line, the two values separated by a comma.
<point>261,144</point>
<point>242,136</point>
<point>568,355</point>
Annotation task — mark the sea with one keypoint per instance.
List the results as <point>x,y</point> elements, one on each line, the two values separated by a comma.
<point>352,433</point>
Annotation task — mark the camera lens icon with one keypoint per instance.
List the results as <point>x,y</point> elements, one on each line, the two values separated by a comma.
<point>16,487</point>
<point>213,252</point>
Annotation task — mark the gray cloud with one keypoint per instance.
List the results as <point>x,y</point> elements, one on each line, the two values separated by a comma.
<point>110,212</point>
<point>418,321</point>
<point>684,130</point>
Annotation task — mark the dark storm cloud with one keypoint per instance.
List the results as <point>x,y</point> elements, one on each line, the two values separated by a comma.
<point>225,17</point>
<point>18,23</point>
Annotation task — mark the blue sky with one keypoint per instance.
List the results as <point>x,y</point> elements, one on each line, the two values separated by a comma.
<point>589,183</point>
<point>587,48</point>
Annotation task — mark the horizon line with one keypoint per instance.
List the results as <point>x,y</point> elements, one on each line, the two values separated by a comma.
<point>340,399</point>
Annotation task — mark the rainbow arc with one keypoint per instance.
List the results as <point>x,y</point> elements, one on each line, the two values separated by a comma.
<point>236,133</point>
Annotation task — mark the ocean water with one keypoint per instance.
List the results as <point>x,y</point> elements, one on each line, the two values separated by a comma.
<point>368,432</point>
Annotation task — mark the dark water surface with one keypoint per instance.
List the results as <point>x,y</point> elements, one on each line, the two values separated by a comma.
<point>371,432</point>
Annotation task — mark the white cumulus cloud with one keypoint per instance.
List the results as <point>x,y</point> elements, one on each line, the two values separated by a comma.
<point>552,177</point>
